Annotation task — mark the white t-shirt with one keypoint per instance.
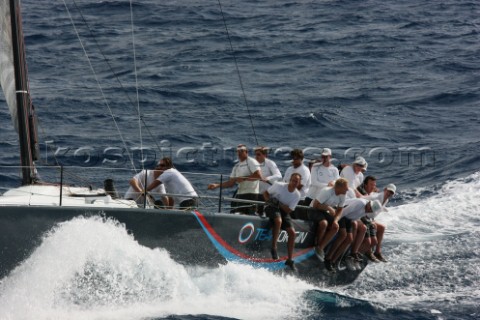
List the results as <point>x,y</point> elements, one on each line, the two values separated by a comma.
<point>140,177</point>
<point>305,173</point>
<point>279,191</point>
<point>354,180</point>
<point>176,183</point>
<point>244,169</point>
<point>354,208</point>
<point>328,197</point>
<point>377,196</point>
<point>321,176</point>
<point>270,172</point>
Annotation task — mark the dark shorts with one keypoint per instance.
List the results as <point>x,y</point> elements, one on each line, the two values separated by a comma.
<point>312,214</point>
<point>371,228</point>
<point>345,223</point>
<point>305,202</point>
<point>189,203</point>
<point>260,207</point>
<point>245,208</point>
<point>273,213</point>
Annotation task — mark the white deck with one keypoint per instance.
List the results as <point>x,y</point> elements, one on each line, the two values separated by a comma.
<point>49,195</point>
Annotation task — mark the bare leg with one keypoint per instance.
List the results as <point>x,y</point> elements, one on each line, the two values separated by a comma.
<point>348,240</point>
<point>342,235</point>
<point>291,242</point>
<point>329,235</point>
<point>359,238</point>
<point>322,227</point>
<point>368,243</point>
<point>380,232</point>
<point>373,242</point>
<point>277,223</point>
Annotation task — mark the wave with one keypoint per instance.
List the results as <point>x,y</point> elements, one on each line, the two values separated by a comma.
<point>433,246</point>
<point>90,268</point>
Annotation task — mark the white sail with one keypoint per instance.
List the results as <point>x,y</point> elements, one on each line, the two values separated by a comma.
<point>7,76</point>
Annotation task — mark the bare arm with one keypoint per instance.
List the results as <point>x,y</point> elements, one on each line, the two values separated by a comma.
<point>324,207</point>
<point>135,185</point>
<point>227,184</point>
<point>357,193</point>
<point>282,206</point>
<point>285,208</point>
<point>338,213</point>
<point>257,175</point>
<point>266,195</point>
<point>153,185</point>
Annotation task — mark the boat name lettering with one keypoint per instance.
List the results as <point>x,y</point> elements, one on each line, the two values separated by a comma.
<point>246,233</point>
<point>262,234</point>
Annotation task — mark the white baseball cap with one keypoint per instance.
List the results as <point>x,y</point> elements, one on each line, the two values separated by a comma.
<point>376,209</point>
<point>391,187</point>
<point>326,152</point>
<point>360,161</point>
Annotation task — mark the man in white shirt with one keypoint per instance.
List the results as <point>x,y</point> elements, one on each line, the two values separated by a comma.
<point>270,174</point>
<point>329,205</point>
<point>377,238</point>
<point>354,176</point>
<point>383,196</point>
<point>175,183</point>
<point>355,209</point>
<point>323,174</point>
<point>246,173</point>
<point>298,167</point>
<point>137,189</point>
<point>368,186</point>
<point>281,199</point>
<point>269,169</point>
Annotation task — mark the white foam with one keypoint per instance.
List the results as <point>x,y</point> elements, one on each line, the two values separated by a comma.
<point>433,245</point>
<point>93,269</point>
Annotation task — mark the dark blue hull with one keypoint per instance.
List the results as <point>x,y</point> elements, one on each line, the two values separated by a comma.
<point>192,238</point>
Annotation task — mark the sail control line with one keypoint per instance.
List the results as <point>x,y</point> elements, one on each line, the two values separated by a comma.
<point>238,74</point>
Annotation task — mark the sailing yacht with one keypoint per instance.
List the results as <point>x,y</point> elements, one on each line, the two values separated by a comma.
<point>193,237</point>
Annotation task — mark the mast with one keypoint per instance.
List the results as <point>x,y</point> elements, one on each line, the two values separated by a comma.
<point>25,112</point>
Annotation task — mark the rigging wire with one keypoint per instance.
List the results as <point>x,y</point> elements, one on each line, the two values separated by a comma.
<point>99,86</point>
<point>115,74</point>
<point>136,83</point>
<point>238,73</point>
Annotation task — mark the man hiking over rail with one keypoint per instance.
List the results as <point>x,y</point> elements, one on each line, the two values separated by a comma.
<point>281,199</point>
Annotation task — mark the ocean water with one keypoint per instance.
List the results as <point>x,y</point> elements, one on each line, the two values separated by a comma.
<point>396,82</point>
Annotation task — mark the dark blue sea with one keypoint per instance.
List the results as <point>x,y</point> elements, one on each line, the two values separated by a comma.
<point>397,82</point>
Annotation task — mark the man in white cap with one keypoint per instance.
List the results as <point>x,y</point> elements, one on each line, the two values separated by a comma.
<point>354,176</point>
<point>383,198</point>
<point>323,174</point>
<point>354,210</point>
<point>363,238</point>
